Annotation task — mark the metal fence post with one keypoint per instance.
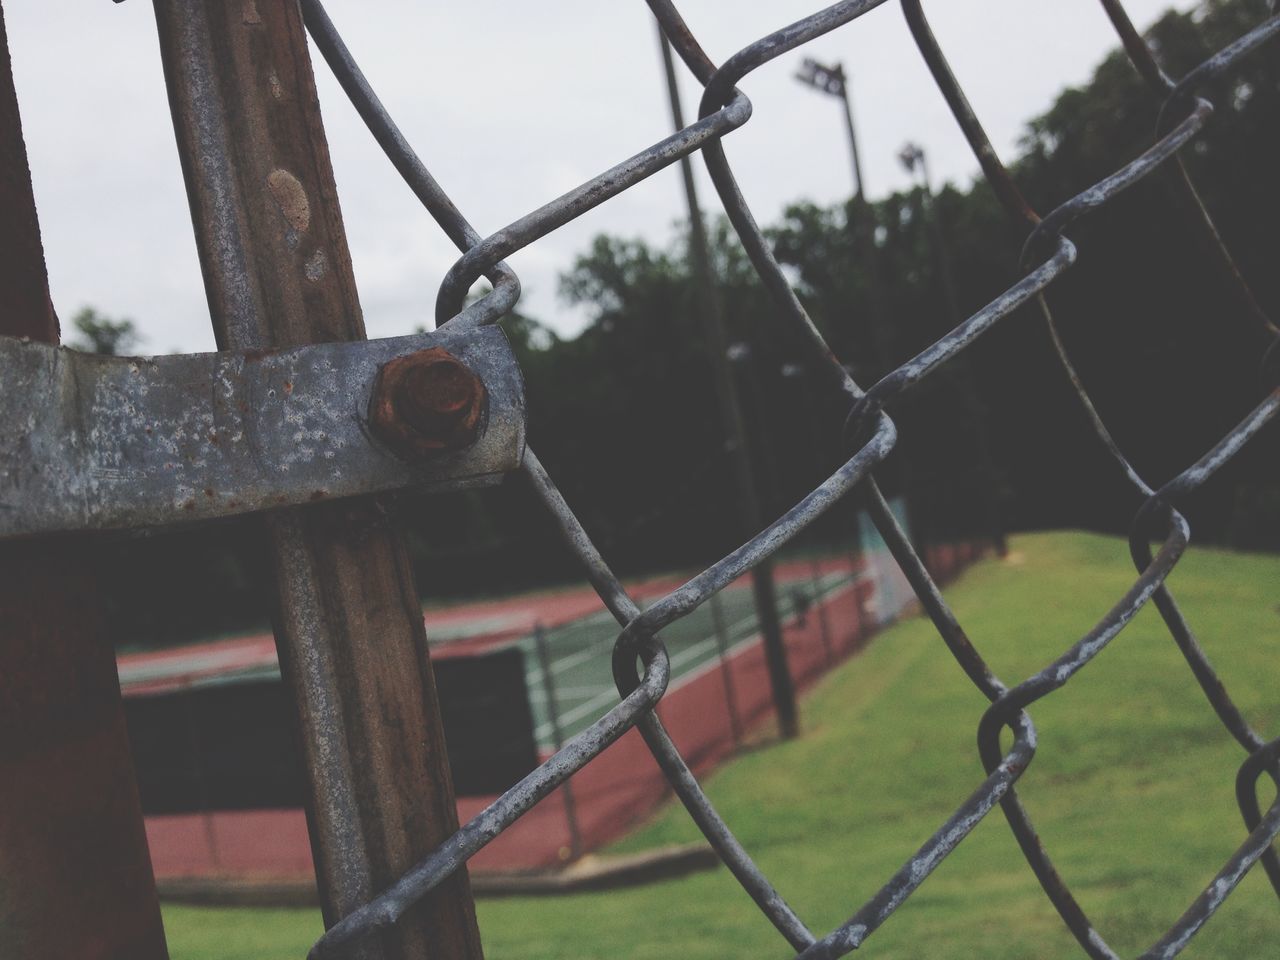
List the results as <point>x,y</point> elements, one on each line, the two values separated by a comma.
<point>557,737</point>
<point>722,652</point>
<point>784,697</point>
<point>77,878</point>
<point>819,601</point>
<point>348,619</point>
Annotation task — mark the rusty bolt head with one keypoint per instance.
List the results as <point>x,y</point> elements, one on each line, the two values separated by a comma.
<point>426,403</point>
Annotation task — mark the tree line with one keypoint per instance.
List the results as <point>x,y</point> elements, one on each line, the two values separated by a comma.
<point>624,414</point>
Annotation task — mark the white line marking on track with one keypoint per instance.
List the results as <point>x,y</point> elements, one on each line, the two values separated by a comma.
<point>609,695</point>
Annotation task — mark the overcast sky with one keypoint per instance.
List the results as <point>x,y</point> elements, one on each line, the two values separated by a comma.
<point>509,104</point>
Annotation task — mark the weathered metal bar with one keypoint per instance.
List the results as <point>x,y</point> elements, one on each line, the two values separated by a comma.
<point>75,877</point>
<point>348,621</point>
<point>103,443</point>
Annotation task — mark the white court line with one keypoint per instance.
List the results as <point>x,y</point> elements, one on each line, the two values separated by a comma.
<point>687,678</point>
<point>562,693</point>
<point>609,695</point>
<point>583,655</point>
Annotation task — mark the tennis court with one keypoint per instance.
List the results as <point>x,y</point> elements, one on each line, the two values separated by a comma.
<point>830,601</point>
<point>581,650</point>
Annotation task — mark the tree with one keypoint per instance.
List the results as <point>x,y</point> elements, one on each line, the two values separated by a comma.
<point>100,334</point>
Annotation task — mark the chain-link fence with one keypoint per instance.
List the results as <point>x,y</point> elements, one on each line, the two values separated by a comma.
<point>832,598</point>
<point>640,660</point>
<point>128,444</point>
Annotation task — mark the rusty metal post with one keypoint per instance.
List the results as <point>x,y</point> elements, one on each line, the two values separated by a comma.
<point>75,876</point>
<point>348,619</point>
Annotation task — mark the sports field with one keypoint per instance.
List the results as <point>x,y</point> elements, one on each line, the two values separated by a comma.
<point>1132,789</point>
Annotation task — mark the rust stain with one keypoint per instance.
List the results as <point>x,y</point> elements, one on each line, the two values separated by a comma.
<point>426,402</point>
<point>315,266</point>
<point>291,197</point>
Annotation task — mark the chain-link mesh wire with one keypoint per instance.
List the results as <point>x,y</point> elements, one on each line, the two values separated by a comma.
<point>641,666</point>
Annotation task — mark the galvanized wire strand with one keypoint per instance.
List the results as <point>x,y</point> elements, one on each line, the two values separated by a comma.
<point>1198,913</point>
<point>1162,85</point>
<point>1266,759</point>
<point>776,283</point>
<point>471,837</point>
<point>931,599</point>
<point>610,590</point>
<point>1225,58</point>
<point>910,373</point>
<point>1213,689</point>
<point>723,109</point>
<point>852,933</point>
<point>692,594</point>
<point>1131,173</point>
<point>533,226</point>
<point>686,786</point>
<point>1140,55</point>
<point>506,285</point>
<point>1010,706</point>
<point>1016,206</point>
<point>1089,646</point>
<point>719,88</point>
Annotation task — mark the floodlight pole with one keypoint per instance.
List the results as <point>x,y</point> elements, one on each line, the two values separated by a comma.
<point>913,158</point>
<point>832,81</point>
<point>708,307</point>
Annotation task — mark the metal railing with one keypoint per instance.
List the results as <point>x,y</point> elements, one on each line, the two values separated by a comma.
<point>870,435</point>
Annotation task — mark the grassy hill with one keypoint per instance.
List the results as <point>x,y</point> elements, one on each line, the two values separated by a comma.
<point>1132,790</point>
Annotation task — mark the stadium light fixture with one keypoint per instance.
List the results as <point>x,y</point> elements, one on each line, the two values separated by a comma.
<point>831,80</point>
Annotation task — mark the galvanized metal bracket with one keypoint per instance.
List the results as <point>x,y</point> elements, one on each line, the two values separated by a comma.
<point>111,443</point>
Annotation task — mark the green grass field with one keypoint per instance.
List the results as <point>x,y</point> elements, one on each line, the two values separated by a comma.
<point>1132,790</point>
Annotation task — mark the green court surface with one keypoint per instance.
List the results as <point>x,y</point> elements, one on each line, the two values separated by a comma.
<point>581,650</point>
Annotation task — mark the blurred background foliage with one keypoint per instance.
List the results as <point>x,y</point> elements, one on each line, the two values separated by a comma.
<point>624,415</point>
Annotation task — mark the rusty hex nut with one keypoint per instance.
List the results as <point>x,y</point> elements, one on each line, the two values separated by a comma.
<point>426,403</point>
